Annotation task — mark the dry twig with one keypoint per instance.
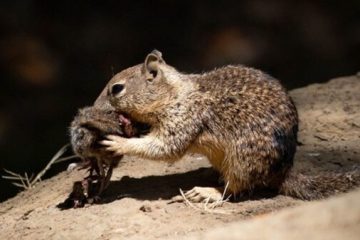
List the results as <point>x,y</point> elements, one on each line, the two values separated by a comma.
<point>27,182</point>
<point>209,207</point>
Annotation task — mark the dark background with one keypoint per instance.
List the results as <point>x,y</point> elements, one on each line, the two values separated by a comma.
<point>56,56</point>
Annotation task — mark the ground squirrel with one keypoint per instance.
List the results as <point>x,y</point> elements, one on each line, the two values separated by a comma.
<point>240,118</point>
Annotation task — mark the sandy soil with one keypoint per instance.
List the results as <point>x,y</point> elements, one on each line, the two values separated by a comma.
<point>331,219</point>
<point>137,203</point>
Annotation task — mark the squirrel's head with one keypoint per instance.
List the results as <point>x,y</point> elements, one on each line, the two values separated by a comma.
<point>144,89</point>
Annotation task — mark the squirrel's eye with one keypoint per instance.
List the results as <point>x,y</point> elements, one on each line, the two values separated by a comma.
<point>116,88</point>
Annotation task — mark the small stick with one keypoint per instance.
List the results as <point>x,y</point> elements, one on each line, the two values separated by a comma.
<point>27,182</point>
<point>53,159</point>
<point>66,158</point>
<point>212,206</point>
<point>187,201</point>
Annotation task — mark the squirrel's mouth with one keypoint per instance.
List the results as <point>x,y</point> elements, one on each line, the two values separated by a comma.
<point>131,128</point>
<point>127,125</point>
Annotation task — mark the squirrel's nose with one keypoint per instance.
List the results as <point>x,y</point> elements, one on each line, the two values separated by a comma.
<point>116,89</point>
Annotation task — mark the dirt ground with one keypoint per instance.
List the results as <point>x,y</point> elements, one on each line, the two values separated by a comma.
<point>137,204</point>
<point>334,218</point>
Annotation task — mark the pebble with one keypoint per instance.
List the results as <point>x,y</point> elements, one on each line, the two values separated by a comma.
<point>146,207</point>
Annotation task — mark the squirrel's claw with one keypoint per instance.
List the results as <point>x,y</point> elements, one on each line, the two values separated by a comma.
<point>113,144</point>
<point>106,142</point>
<point>114,138</point>
<point>200,195</point>
<point>111,141</point>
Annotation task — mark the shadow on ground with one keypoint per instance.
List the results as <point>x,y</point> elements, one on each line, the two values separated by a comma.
<point>160,187</point>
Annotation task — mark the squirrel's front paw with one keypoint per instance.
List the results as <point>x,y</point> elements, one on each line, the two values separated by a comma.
<point>114,144</point>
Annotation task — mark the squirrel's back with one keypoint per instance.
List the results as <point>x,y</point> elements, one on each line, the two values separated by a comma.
<point>247,98</point>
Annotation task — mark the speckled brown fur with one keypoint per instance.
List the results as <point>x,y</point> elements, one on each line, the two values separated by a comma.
<point>240,118</point>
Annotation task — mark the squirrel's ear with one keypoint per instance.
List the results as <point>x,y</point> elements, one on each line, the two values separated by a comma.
<point>151,65</point>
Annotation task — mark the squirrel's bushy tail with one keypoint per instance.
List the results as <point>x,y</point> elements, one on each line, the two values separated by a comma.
<point>311,187</point>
